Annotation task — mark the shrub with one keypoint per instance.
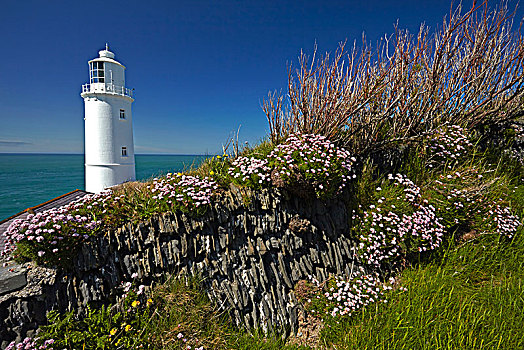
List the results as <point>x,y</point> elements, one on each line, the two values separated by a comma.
<point>473,198</point>
<point>447,146</point>
<point>182,192</point>
<point>250,171</point>
<point>50,237</point>
<point>340,297</point>
<point>313,164</point>
<point>467,72</point>
<point>502,221</point>
<point>399,222</point>
<point>120,327</point>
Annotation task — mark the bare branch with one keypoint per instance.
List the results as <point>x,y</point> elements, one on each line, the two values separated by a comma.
<point>468,72</point>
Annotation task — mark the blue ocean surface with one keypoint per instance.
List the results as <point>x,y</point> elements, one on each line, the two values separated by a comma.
<point>27,180</point>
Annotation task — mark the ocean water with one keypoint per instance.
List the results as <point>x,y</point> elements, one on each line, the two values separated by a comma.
<point>27,180</point>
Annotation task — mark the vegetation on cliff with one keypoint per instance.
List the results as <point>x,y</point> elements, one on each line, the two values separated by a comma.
<point>421,139</point>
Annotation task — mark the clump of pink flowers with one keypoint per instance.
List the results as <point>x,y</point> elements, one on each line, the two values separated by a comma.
<point>250,171</point>
<point>45,236</point>
<point>447,145</point>
<point>463,195</point>
<point>180,191</point>
<point>350,295</point>
<point>314,161</point>
<point>503,221</point>
<point>397,223</point>
<point>341,296</point>
<point>30,344</point>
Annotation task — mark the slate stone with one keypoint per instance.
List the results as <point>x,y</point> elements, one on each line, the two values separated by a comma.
<point>12,278</point>
<point>248,258</point>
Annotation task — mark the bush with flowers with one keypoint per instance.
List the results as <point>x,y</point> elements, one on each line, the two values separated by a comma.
<point>52,236</point>
<point>468,196</point>
<point>49,237</point>
<point>398,222</point>
<point>339,296</point>
<point>500,220</point>
<point>514,136</point>
<point>447,146</point>
<point>473,199</point>
<point>31,344</point>
<point>183,192</point>
<point>308,163</point>
<point>311,164</point>
<point>250,171</point>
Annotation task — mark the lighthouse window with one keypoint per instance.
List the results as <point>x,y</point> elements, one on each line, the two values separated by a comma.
<point>96,72</point>
<point>124,151</point>
<point>122,114</point>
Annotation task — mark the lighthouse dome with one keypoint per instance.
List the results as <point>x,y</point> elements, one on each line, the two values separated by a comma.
<point>106,56</point>
<point>106,53</point>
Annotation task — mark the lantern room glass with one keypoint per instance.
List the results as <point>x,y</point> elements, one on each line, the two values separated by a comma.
<point>96,72</point>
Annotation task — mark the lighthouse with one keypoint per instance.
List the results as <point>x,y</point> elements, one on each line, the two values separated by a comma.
<point>109,150</point>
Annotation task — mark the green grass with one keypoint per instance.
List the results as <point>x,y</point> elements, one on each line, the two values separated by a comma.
<point>471,299</point>
<point>183,307</point>
<point>178,314</point>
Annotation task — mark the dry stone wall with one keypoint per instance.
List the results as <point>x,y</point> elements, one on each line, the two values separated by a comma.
<point>250,249</point>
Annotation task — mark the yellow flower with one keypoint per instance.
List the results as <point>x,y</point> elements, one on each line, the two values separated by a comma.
<point>149,301</point>
<point>218,157</point>
<point>226,155</point>
<point>178,174</point>
<point>128,328</point>
<point>135,303</point>
<point>113,331</point>
<point>211,172</point>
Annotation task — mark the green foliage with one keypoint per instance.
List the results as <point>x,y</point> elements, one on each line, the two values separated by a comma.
<point>102,328</point>
<point>415,165</point>
<point>178,314</point>
<point>470,300</point>
<point>216,168</point>
<point>260,151</point>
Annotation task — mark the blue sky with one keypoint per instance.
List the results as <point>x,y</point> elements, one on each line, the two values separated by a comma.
<point>200,69</point>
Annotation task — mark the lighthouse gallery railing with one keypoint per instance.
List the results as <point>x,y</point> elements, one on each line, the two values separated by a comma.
<point>107,88</point>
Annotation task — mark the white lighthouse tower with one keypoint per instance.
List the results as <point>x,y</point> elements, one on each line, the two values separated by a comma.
<point>109,150</point>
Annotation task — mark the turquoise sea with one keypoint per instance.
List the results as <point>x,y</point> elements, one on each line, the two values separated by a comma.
<point>27,180</point>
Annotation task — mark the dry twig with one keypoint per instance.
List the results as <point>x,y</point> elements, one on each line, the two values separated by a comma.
<point>469,72</point>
